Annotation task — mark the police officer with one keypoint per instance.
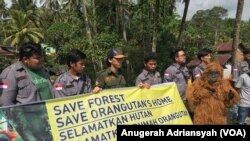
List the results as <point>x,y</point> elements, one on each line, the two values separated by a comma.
<point>204,56</point>
<point>178,72</point>
<point>73,82</point>
<point>26,80</point>
<point>112,76</point>
<point>149,76</point>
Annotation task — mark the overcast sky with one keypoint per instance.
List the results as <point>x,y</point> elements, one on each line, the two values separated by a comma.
<point>230,5</point>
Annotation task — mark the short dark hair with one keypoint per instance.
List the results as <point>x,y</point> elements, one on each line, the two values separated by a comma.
<point>74,56</point>
<point>203,52</point>
<point>246,51</point>
<point>29,49</point>
<point>150,56</point>
<point>174,53</point>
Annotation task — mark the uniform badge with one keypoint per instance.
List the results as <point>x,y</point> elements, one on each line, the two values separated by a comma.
<point>59,87</point>
<point>167,74</point>
<point>108,78</point>
<point>3,85</point>
<point>235,68</point>
<point>197,75</point>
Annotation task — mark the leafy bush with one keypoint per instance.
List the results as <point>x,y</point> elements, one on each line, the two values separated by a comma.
<point>4,62</point>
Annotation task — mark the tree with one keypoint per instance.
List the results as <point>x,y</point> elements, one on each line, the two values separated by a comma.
<point>21,29</point>
<point>70,5</point>
<point>237,29</point>
<point>245,33</point>
<point>183,21</point>
<point>3,15</point>
<point>86,20</point>
<point>3,10</point>
<point>121,15</point>
<point>155,25</point>
<point>214,30</point>
<point>23,5</point>
<point>51,4</point>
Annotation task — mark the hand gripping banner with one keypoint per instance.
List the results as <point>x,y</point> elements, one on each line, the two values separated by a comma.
<point>94,117</point>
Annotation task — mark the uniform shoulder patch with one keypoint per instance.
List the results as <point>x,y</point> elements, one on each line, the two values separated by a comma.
<point>167,73</point>
<point>197,75</point>
<point>59,87</point>
<point>3,85</point>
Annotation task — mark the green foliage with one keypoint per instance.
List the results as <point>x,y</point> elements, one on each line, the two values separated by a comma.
<point>22,29</point>
<point>59,34</point>
<point>63,23</point>
<point>4,62</point>
<point>207,28</point>
<point>245,33</point>
<point>102,43</point>
<point>80,43</point>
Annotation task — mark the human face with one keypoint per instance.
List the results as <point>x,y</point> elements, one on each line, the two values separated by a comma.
<point>150,65</point>
<point>206,59</point>
<point>213,76</point>
<point>181,57</point>
<point>247,57</point>
<point>78,67</point>
<point>34,62</point>
<point>116,62</point>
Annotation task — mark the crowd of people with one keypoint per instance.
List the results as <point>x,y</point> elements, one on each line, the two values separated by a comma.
<point>207,98</point>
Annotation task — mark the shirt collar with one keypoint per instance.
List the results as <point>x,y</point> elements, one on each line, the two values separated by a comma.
<point>146,72</point>
<point>71,79</point>
<point>178,66</point>
<point>116,74</point>
<point>19,66</point>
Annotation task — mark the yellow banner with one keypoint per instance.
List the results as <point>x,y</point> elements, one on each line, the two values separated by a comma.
<point>95,116</point>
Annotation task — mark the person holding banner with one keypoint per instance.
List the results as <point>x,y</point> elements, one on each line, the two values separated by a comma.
<point>149,76</point>
<point>112,76</point>
<point>73,82</point>
<point>26,80</point>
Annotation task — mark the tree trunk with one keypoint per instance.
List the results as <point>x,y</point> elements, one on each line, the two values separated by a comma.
<point>237,30</point>
<point>117,15</point>
<point>121,15</point>
<point>94,16</point>
<point>172,7</point>
<point>215,36</point>
<point>88,31</point>
<point>156,23</point>
<point>86,20</point>
<point>183,22</point>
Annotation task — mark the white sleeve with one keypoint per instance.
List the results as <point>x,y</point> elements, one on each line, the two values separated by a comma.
<point>239,83</point>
